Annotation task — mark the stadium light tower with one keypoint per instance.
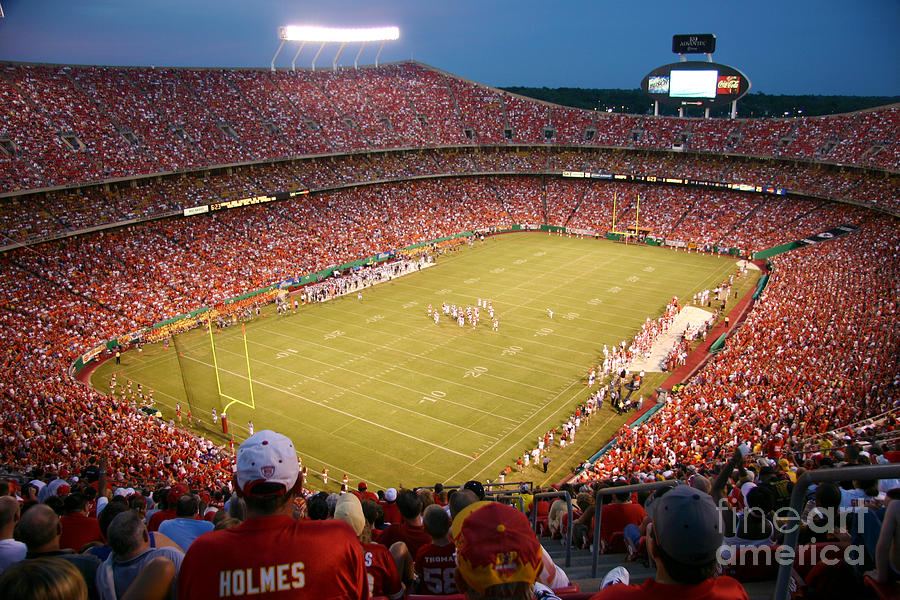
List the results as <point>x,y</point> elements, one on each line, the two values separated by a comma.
<point>311,33</point>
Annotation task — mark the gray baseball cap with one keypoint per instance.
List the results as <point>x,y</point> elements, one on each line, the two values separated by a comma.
<point>687,524</point>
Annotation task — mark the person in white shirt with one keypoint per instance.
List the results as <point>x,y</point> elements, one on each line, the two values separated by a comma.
<point>11,551</point>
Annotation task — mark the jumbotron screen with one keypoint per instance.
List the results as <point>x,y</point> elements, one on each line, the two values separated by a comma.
<point>695,83</point>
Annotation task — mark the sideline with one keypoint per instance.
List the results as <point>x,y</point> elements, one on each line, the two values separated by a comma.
<point>699,356</point>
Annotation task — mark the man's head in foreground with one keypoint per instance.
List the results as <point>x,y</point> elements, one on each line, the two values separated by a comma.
<point>685,534</point>
<point>268,474</point>
<point>497,553</point>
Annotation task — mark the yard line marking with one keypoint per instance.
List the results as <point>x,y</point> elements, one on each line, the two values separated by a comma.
<point>392,383</point>
<point>482,357</point>
<point>337,410</point>
<point>432,347</point>
<point>533,415</point>
<point>420,356</point>
<point>280,415</point>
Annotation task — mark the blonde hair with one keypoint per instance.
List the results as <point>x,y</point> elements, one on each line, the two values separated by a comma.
<point>43,579</point>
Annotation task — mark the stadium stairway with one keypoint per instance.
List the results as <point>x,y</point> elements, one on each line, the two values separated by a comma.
<point>579,571</point>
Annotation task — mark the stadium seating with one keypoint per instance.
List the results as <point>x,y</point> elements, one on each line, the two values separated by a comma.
<point>41,216</point>
<point>713,407</point>
<point>817,354</point>
<point>87,124</point>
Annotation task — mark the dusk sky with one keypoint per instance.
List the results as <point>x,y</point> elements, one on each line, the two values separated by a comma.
<point>784,46</point>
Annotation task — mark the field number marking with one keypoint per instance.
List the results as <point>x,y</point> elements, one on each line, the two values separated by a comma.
<point>472,280</point>
<point>286,352</point>
<point>543,331</point>
<point>497,270</point>
<point>374,318</point>
<point>648,269</point>
<point>334,334</point>
<point>410,304</point>
<point>541,253</point>
<point>614,289</point>
<point>571,316</point>
<point>444,291</point>
<point>511,351</point>
<point>633,279</point>
<point>520,261</point>
<point>595,301</point>
<point>433,396</point>
<point>475,372</point>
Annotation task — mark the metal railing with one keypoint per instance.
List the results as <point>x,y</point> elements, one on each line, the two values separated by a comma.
<point>514,485</point>
<point>565,495</point>
<point>513,495</point>
<point>798,499</point>
<point>598,512</point>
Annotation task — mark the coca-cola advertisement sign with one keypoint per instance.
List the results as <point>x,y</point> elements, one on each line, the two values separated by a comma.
<point>728,84</point>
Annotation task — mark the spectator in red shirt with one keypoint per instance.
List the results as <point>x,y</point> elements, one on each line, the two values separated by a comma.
<point>410,530</point>
<point>168,512</point>
<point>270,553</point>
<point>440,494</point>
<point>78,529</point>
<point>615,516</point>
<point>381,571</point>
<point>362,492</point>
<point>405,538</point>
<point>435,562</point>
<point>389,506</point>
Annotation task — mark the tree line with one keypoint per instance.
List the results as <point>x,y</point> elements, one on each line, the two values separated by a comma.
<point>758,104</point>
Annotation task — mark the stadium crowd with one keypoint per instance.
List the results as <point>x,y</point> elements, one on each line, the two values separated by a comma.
<point>834,338</point>
<point>44,215</point>
<point>76,124</point>
<point>817,355</point>
<point>57,307</point>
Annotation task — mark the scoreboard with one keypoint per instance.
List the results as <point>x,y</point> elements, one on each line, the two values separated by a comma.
<point>695,83</point>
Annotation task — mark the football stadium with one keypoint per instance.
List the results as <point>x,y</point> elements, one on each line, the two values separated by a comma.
<point>438,289</point>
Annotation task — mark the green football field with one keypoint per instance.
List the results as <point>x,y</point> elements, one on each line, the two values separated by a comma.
<point>377,390</point>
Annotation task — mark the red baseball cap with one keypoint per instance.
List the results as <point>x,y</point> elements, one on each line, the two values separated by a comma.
<point>495,545</point>
<point>175,492</point>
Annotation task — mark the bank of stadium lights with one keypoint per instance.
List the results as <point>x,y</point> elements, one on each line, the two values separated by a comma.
<point>311,33</point>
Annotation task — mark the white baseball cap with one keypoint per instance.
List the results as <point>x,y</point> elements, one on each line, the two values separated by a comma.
<point>267,457</point>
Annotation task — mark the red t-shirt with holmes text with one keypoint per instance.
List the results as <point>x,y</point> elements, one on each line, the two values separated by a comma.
<point>276,557</point>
